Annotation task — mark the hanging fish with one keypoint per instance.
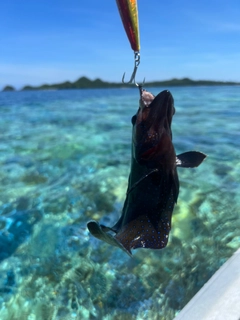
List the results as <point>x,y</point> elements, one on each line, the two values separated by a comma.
<point>153,184</point>
<point>129,14</point>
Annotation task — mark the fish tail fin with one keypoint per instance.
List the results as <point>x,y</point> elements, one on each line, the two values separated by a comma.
<point>145,233</point>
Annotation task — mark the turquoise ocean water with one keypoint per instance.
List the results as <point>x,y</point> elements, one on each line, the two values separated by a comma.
<point>64,160</point>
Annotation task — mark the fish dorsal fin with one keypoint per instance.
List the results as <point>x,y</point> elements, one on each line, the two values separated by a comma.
<point>101,232</point>
<point>190,159</point>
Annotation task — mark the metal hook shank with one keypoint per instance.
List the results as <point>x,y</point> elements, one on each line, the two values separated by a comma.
<point>136,64</point>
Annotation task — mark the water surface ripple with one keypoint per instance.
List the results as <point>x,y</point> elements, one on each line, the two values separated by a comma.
<point>65,159</point>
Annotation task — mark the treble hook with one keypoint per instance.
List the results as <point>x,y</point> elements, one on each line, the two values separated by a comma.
<point>136,64</point>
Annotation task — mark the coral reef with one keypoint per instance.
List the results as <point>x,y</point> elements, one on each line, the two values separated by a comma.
<point>62,164</point>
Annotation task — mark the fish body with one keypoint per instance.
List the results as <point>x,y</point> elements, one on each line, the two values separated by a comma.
<point>153,185</point>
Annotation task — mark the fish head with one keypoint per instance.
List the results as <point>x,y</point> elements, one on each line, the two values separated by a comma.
<point>152,135</point>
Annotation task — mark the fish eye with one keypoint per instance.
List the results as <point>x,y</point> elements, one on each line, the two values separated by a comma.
<point>134,118</point>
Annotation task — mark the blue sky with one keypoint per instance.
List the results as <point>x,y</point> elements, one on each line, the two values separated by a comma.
<point>53,41</point>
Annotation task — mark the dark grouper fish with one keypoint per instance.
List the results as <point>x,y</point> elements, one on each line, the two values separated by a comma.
<point>153,184</point>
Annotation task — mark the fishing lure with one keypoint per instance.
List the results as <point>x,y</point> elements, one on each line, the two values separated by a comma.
<point>129,14</point>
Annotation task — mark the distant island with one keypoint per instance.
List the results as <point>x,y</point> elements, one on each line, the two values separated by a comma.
<point>8,88</point>
<point>86,83</point>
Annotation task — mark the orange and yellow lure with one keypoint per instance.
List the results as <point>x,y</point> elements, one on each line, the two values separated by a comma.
<point>129,14</point>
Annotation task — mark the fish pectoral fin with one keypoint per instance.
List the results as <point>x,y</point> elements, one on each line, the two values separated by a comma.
<point>190,159</point>
<point>102,233</point>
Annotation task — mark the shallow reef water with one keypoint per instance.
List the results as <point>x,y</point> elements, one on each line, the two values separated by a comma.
<point>65,159</point>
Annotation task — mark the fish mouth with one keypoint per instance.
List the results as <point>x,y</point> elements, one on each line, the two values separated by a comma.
<point>146,97</point>
<point>156,108</point>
